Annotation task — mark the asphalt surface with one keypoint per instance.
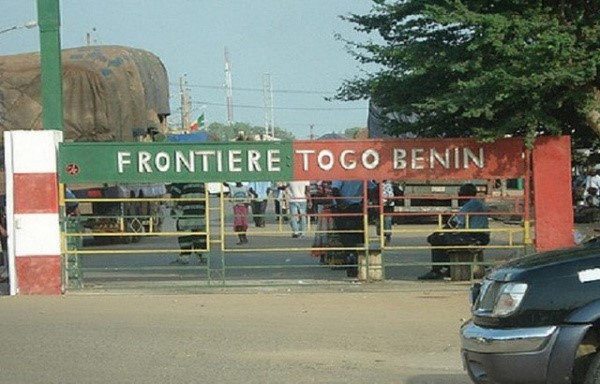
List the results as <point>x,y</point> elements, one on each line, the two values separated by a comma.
<point>408,334</point>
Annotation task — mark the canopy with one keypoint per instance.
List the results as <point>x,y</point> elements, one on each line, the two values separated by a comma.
<point>108,91</point>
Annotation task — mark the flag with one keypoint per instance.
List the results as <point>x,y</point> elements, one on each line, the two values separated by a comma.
<point>198,124</point>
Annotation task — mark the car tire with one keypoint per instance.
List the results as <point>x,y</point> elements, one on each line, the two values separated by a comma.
<point>592,375</point>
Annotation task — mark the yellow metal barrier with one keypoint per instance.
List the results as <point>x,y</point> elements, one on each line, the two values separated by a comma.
<point>271,255</point>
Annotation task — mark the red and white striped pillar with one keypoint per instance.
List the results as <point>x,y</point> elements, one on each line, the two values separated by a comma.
<point>32,212</point>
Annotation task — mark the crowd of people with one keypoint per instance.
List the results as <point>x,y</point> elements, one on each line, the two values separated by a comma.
<point>337,210</point>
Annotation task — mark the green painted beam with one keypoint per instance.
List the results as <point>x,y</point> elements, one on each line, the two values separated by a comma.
<point>135,162</point>
<point>51,67</point>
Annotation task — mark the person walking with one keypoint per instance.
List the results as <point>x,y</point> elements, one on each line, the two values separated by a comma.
<point>281,209</point>
<point>472,215</point>
<point>74,226</point>
<point>389,191</point>
<point>592,184</point>
<point>324,232</point>
<point>260,191</point>
<point>191,217</point>
<point>240,194</point>
<point>297,196</point>
<point>349,222</point>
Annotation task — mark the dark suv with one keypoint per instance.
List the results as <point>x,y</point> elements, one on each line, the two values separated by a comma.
<point>537,320</point>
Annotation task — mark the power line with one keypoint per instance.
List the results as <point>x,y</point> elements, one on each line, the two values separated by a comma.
<point>284,108</point>
<point>221,87</point>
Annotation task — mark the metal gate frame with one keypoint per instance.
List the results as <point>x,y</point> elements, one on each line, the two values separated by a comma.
<point>279,243</point>
<point>342,160</point>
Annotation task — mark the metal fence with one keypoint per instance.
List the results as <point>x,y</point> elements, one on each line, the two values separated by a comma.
<point>128,247</point>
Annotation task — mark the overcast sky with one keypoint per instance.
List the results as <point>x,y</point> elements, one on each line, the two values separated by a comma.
<point>292,40</point>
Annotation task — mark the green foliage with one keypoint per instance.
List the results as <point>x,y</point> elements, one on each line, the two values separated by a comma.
<point>223,132</point>
<point>482,68</point>
<point>351,133</point>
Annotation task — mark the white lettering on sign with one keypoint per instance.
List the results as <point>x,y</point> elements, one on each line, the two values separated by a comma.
<point>204,159</point>
<point>470,156</point>
<point>325,160</point>
<point>442,158</point>
<point>123,159</point>
<point>370,159</point>
<point>348,164</point>
<point>220,161</point>
<point>182,160</point>
<point>304,153</point>
<point>144,162</point>
<point>235,159</point>
<point>417,158</point>
<point>456,158</point>
<point>273,161</point>
<point>399,160</point>
<point>199,160</point>
<point>163,162</point>
<point>451,158</point>
<point>253,158</point>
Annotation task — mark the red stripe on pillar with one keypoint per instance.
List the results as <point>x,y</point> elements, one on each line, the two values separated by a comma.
<point>36,192</point>
<point>39,275</point>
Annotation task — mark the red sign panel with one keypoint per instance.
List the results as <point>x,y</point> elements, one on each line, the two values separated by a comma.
<point>408,159</point>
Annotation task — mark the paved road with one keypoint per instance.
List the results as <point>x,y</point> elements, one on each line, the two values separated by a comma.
<point>408,334</point>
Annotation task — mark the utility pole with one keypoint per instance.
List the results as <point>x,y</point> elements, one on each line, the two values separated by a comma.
<point>228,89</point>
<point>185,103</point>
<point>268,102</point>
<point>51,66</point>
<point>312,134</point>
<point>88,37</point>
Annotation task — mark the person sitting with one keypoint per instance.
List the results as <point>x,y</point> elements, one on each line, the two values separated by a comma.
<point>472,215</point>
<point>592,199</point>
<point>590,211</point>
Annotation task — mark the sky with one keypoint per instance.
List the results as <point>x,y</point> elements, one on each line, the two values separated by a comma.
<point>293,41</point>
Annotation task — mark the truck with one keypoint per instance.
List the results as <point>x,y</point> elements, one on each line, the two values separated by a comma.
<point>536,319</point>
<point>122,210</point>
<point>110,93</point>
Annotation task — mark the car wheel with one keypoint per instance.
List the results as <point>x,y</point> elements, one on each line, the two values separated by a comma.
<point>592,375</point>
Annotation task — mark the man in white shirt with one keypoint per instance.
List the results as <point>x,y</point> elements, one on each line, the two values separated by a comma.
<point>297,194</point>
<point>592,181</point>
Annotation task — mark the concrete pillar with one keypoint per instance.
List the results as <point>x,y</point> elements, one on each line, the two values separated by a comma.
<point>370,267</point>
<point>33,212</point>
<point>552,198</point>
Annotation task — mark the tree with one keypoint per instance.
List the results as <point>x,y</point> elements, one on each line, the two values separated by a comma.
<point>351,133</point>
<point>481,68</point>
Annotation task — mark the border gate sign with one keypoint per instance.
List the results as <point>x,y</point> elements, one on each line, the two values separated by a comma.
<point>414,159</point>
<point>174,162</point>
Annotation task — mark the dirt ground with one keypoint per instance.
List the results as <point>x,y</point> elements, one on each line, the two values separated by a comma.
<point>405,333</point>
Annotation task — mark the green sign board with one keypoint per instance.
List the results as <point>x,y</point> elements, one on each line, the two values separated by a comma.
<point>175,162</point>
